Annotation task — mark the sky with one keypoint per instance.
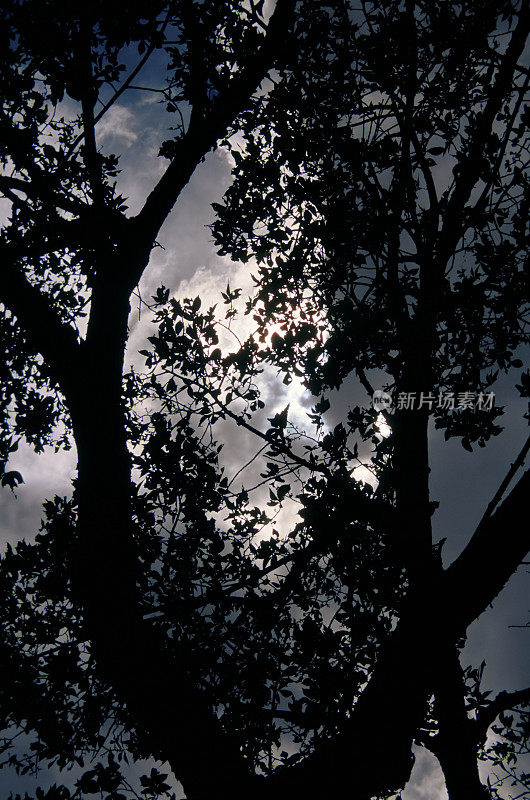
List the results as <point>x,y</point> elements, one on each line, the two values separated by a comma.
<point>188,265</point>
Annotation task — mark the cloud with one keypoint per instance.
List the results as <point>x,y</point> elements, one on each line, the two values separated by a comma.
<point>426,781</point>
<point>118,123</point>
<point>44,476</point>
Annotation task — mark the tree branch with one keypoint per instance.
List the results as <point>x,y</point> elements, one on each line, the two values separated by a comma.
<point>89,98</point>
<point>125,85</point>
<point>203,134</point>
<point>471,163</point>
<point>31,190</point>
<point>481,202</point>
<point>505,701</point>
<point>496,549</point>
<point>198,73</point>
<point>497,497</point>
<point>49,335</point>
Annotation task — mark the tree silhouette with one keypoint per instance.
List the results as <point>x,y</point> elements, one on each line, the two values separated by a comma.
<point>381,185</point>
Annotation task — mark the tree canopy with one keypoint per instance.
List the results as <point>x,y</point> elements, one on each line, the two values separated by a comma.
<point>282,629</point>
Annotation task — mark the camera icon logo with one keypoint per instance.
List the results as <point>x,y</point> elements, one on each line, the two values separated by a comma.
<point>382,401</point>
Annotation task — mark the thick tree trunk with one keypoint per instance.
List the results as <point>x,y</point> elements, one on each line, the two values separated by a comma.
<point>456,743</point>
<point>169,714</point>
<point>460,769</point>
<point>103,491</point>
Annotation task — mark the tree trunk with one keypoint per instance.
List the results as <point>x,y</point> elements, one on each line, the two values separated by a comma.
<point>456,744</point>
<point>169,714</point>
<point>460,769</point>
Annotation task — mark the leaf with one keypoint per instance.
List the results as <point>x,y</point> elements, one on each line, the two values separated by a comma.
<point>282,491</point>
<point>280,420</point>
<point>161,296</point>
<point>322,406</point>
<point>12,479</point>
<point>276,340</point>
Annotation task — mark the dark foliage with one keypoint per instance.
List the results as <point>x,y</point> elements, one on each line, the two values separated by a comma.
<point>380,183</point>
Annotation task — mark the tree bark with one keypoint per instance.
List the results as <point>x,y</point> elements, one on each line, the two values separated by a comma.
<point>456,743</point>
<point>168,712</point>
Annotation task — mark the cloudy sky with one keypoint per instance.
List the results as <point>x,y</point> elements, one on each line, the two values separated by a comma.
<point>188,265</point>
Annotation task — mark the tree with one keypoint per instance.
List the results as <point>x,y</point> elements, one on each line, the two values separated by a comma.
<point>148,591</point>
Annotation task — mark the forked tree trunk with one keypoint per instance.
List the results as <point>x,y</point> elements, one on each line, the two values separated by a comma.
<point>169,714</point>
